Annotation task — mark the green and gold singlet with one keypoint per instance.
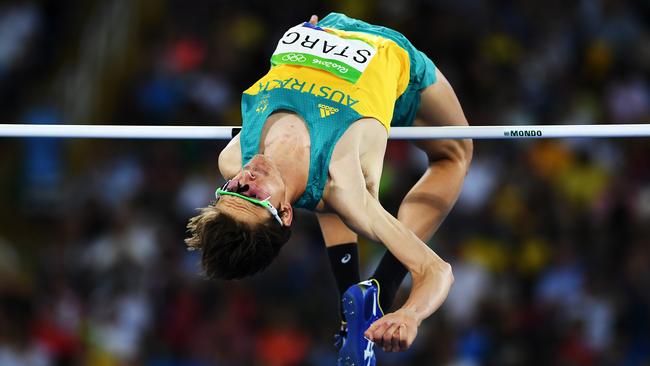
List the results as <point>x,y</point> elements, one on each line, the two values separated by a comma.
<point>332,75</point>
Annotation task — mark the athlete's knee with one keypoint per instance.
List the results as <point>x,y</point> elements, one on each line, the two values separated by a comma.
<point>457,151</point>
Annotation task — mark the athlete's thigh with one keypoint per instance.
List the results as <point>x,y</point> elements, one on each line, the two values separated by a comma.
<point>335,231</point>
<point>439,106</point>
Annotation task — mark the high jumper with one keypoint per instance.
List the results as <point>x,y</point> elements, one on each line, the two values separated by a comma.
<point>313,136</point>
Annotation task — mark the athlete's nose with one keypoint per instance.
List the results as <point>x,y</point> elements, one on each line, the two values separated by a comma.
<point>241,189</point>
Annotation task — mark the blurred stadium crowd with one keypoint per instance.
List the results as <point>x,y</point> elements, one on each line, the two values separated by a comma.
<point>550,240</point>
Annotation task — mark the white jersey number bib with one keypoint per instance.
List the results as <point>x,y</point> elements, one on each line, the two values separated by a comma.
<point>305,46</point>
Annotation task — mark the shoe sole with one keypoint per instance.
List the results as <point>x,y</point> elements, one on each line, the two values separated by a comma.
<point>352,310</point>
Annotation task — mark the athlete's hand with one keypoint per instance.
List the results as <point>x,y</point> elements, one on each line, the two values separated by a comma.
<point>394,332</point>
<point>313,20</point>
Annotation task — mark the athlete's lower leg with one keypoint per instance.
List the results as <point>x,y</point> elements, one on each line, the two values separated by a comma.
<point>344,261</point>
<point>342,251</point>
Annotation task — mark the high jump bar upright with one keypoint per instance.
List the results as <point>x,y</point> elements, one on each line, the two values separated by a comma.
<point>400,133</point>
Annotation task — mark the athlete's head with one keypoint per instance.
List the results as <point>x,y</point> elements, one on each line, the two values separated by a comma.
<point>243,231</point>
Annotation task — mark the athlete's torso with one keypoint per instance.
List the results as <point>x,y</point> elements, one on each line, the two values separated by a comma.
<point>331,78</point>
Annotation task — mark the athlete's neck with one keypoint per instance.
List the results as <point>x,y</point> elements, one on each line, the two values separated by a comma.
<point>286,143</point>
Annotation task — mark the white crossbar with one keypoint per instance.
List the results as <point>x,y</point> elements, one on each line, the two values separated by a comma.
<point>403,133</point>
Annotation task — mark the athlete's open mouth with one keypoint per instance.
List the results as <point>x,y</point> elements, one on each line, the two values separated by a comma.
<point>247,189</point>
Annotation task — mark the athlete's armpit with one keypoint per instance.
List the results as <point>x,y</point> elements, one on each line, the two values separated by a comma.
<point>230,161</point>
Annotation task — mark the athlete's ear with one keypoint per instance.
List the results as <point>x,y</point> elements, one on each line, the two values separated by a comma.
<point>286,213</point>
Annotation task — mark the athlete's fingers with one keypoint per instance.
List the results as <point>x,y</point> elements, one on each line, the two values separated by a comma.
<point>388,338</point>
<point>395,340</point>
<point>314,19</point>
<point>370,332</point>
<point>378,334</point>
<point>371,329</point>
<point>403,342</point>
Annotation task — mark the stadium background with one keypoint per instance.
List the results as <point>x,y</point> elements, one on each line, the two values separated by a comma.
<point>549,241</point>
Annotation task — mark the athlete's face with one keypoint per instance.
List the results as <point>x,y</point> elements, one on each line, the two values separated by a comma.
<point>258,179</point>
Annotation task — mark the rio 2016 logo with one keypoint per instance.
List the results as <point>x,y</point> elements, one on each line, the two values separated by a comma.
<point>342,69</point>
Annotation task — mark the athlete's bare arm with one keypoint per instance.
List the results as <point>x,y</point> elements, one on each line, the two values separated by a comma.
<point>431,199</point>
<point>347,194</point>
<point>371,158</point>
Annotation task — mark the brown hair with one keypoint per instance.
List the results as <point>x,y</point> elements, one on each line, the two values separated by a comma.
<point>231,249</point>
